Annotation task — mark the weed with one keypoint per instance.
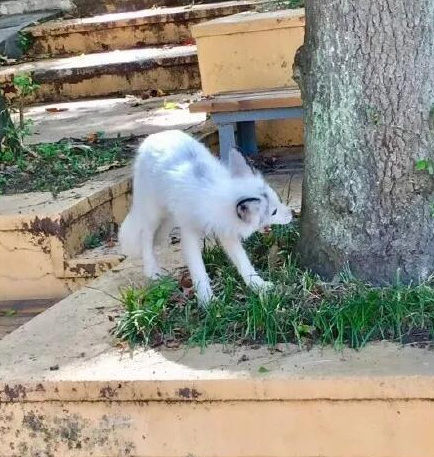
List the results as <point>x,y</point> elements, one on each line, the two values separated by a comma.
<point>12,136</point>
<point>99,237</point>
<point>301,309</point>
<point>55,167</point>
<point>25,41</point>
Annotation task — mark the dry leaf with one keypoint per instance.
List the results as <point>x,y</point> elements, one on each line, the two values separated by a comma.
<point>173,344</point>
<point>111,244</point>
<point>55,110</point>
<point>186,282</point>
<point>170,105</point>
<point>109,166</point>
<point>92,137</point>
<point>189,42</point>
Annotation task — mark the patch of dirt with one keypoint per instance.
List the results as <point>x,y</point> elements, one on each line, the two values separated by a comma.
<point>56,167</point>
<point>420,338</point>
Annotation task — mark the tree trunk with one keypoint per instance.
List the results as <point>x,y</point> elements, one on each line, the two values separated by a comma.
<point>366,72</point>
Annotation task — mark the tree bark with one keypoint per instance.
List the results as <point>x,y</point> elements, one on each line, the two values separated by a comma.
<point>366,72</point>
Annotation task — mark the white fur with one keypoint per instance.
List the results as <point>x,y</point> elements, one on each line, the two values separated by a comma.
<point>177,182</point>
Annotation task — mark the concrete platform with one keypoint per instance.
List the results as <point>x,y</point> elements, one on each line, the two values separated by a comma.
<point>114,116</point>
<point>135,29</point>
<point>109,73</point>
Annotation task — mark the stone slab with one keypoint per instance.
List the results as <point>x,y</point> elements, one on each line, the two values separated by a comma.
<point>114,116</point>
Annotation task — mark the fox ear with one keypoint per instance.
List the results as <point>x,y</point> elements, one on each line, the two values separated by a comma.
<point>238,165</point>
<point>247,208</point>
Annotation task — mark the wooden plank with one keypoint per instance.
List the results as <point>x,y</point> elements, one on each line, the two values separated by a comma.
<point>245,101</point>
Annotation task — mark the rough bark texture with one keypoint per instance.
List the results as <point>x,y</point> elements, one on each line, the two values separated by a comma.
<point>366,72</point>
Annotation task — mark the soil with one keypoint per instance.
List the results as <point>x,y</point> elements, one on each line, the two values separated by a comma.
<point>64,165</point>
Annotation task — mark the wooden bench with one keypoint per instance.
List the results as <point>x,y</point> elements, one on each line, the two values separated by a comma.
<point>242,109</point>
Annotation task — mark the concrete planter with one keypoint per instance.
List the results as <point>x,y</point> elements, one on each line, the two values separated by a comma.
<point>42,238</point>
<point>250,51</point>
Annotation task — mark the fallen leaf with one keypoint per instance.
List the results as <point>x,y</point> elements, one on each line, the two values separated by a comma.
<point>170,105</point>
<point>189,42</point>
<point>263,369</point>
<point>55,110</point>
<point>92,138</point>
<point>107,167</point>
<point>173,344</point>
<point>186,282</point>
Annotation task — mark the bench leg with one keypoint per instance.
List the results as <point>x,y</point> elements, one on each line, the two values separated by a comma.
<point>246,134</point>
<point>227,140</point>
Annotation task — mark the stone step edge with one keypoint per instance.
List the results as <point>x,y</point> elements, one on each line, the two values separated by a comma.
<point>160,16</point>
<point>43,75</point>
<point>307,388</point>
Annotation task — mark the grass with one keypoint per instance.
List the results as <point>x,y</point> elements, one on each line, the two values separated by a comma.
<point>302,309</point>
<point>56,167</point>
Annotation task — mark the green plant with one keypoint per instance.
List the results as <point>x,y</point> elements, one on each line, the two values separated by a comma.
<point>425,165</point>
<point>58,166</point>
<point>301,309</point>
<point>25,41</point>
<point>24,86</point>
<point>98,237</point>
<point>12,141</point>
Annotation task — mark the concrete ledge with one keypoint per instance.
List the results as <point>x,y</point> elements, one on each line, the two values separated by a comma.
<point>135,29</point>
<point>72,392</point>
<point>108,73</point>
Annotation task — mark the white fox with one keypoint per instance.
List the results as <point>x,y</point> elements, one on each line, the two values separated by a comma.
<point>179,183</point>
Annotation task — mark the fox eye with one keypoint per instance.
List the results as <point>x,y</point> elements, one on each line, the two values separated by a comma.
<point>274,212</point>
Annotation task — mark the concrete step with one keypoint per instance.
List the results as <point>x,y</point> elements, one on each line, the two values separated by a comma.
<point>125,117</point>
<point>108,74</point>
<point>88,8</point>
<point>149,27</point>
